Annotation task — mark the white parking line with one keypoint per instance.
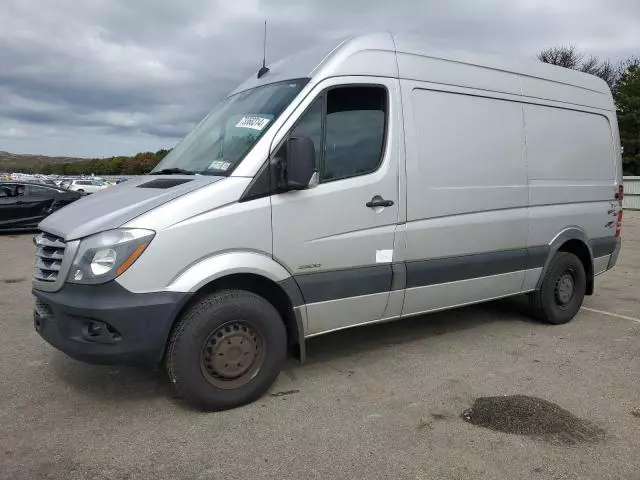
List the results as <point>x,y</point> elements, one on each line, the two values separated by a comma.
<point>611,314</point>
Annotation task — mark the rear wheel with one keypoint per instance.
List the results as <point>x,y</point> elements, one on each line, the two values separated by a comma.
<point>562,292</point>
<point>227,350</point>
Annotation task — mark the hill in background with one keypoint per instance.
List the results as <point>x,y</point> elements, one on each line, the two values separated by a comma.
<point>134,165</point>
<point>13,162</point>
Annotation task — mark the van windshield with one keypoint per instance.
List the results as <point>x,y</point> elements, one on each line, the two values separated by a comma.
<point>227,134</point>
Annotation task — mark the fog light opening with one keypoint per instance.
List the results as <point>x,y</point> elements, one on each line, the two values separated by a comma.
<point>114,333</point>
<point>95,329</point>
<point>101,332</point>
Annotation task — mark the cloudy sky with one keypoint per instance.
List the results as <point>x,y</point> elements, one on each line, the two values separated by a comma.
<point>111,77</point>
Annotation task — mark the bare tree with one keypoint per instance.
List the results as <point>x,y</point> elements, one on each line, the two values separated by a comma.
<point>567,57</point>
<point>590,65</point>
<point>570,57</point>
<point>609,73</point>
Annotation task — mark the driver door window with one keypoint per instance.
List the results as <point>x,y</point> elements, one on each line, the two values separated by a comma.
<point>355,127</point>
<point>347,126</point>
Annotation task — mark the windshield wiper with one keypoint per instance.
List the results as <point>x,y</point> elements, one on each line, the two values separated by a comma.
<point>212,173</point>
<point>173,171</point>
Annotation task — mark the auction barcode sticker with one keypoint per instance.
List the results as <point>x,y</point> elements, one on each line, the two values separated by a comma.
<point>253,121</point>
<point>220,165</point>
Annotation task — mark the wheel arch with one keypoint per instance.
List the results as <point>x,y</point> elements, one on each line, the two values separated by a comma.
<point>254,272</point>
<point>572,240</point>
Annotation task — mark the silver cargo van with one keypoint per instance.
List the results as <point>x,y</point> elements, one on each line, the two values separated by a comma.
<point>367,181</point>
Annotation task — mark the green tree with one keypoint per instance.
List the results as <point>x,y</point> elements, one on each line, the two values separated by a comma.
<point>138,164</point>
<point>627,98</point>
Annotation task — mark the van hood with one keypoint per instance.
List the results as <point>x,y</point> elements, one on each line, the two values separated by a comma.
<point>114,206</point>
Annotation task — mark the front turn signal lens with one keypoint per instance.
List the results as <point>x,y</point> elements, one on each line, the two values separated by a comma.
<point>131,259</point>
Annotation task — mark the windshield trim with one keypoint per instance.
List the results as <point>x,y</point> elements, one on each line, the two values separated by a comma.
<point>303,81</point>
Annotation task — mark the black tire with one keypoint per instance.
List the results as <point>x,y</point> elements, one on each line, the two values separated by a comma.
<point>223,317</point>
<point>555,302</point>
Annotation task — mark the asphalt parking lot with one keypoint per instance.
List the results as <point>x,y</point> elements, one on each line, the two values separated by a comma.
<point>387,401</point>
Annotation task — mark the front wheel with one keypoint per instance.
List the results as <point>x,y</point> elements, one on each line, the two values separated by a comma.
<point>562,291</point>
<point>226,350</point>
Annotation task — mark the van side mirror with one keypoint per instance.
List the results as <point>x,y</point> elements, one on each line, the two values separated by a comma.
<point>300,163</point>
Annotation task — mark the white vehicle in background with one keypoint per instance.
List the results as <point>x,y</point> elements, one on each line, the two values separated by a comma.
<point>87,186</point>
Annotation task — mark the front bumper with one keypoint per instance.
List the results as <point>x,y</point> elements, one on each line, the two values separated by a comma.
<point>106,323</point>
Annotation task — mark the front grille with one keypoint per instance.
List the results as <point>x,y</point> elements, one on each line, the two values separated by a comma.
<point>49,254</point>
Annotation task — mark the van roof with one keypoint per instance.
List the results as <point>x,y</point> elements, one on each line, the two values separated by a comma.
<point>414,58</point>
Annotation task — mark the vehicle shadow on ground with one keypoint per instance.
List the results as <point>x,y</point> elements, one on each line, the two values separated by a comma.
<point>111,384</point>
<point>382,335</point>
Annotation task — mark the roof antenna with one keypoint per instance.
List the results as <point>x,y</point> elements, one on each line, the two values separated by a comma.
<point>264,70</point>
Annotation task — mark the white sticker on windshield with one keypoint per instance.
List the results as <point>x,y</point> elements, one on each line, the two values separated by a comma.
<point>253,121</point>
<point>220,165</point>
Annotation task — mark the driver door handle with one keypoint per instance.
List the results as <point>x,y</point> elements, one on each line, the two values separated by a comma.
<point>378,201</point>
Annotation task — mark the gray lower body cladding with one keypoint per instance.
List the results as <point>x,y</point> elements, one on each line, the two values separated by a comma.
<point>338,284</point>
<point>604,246</point>
<point>616,251</point>
<point>445,270</point>
<point>352,282</point>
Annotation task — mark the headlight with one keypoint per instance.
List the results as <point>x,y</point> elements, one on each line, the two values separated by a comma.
<point>104,256</point>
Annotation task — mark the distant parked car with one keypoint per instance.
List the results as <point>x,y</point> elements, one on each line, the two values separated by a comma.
<point>23,204</point>
<point>87,186</point>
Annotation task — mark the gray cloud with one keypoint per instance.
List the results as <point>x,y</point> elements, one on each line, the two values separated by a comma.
<point>105,77</point>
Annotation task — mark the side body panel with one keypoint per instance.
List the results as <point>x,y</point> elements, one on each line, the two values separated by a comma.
<point>467,195</point>
<point>572,168</point>
<point>339,250</point>
<point>578,157</point>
